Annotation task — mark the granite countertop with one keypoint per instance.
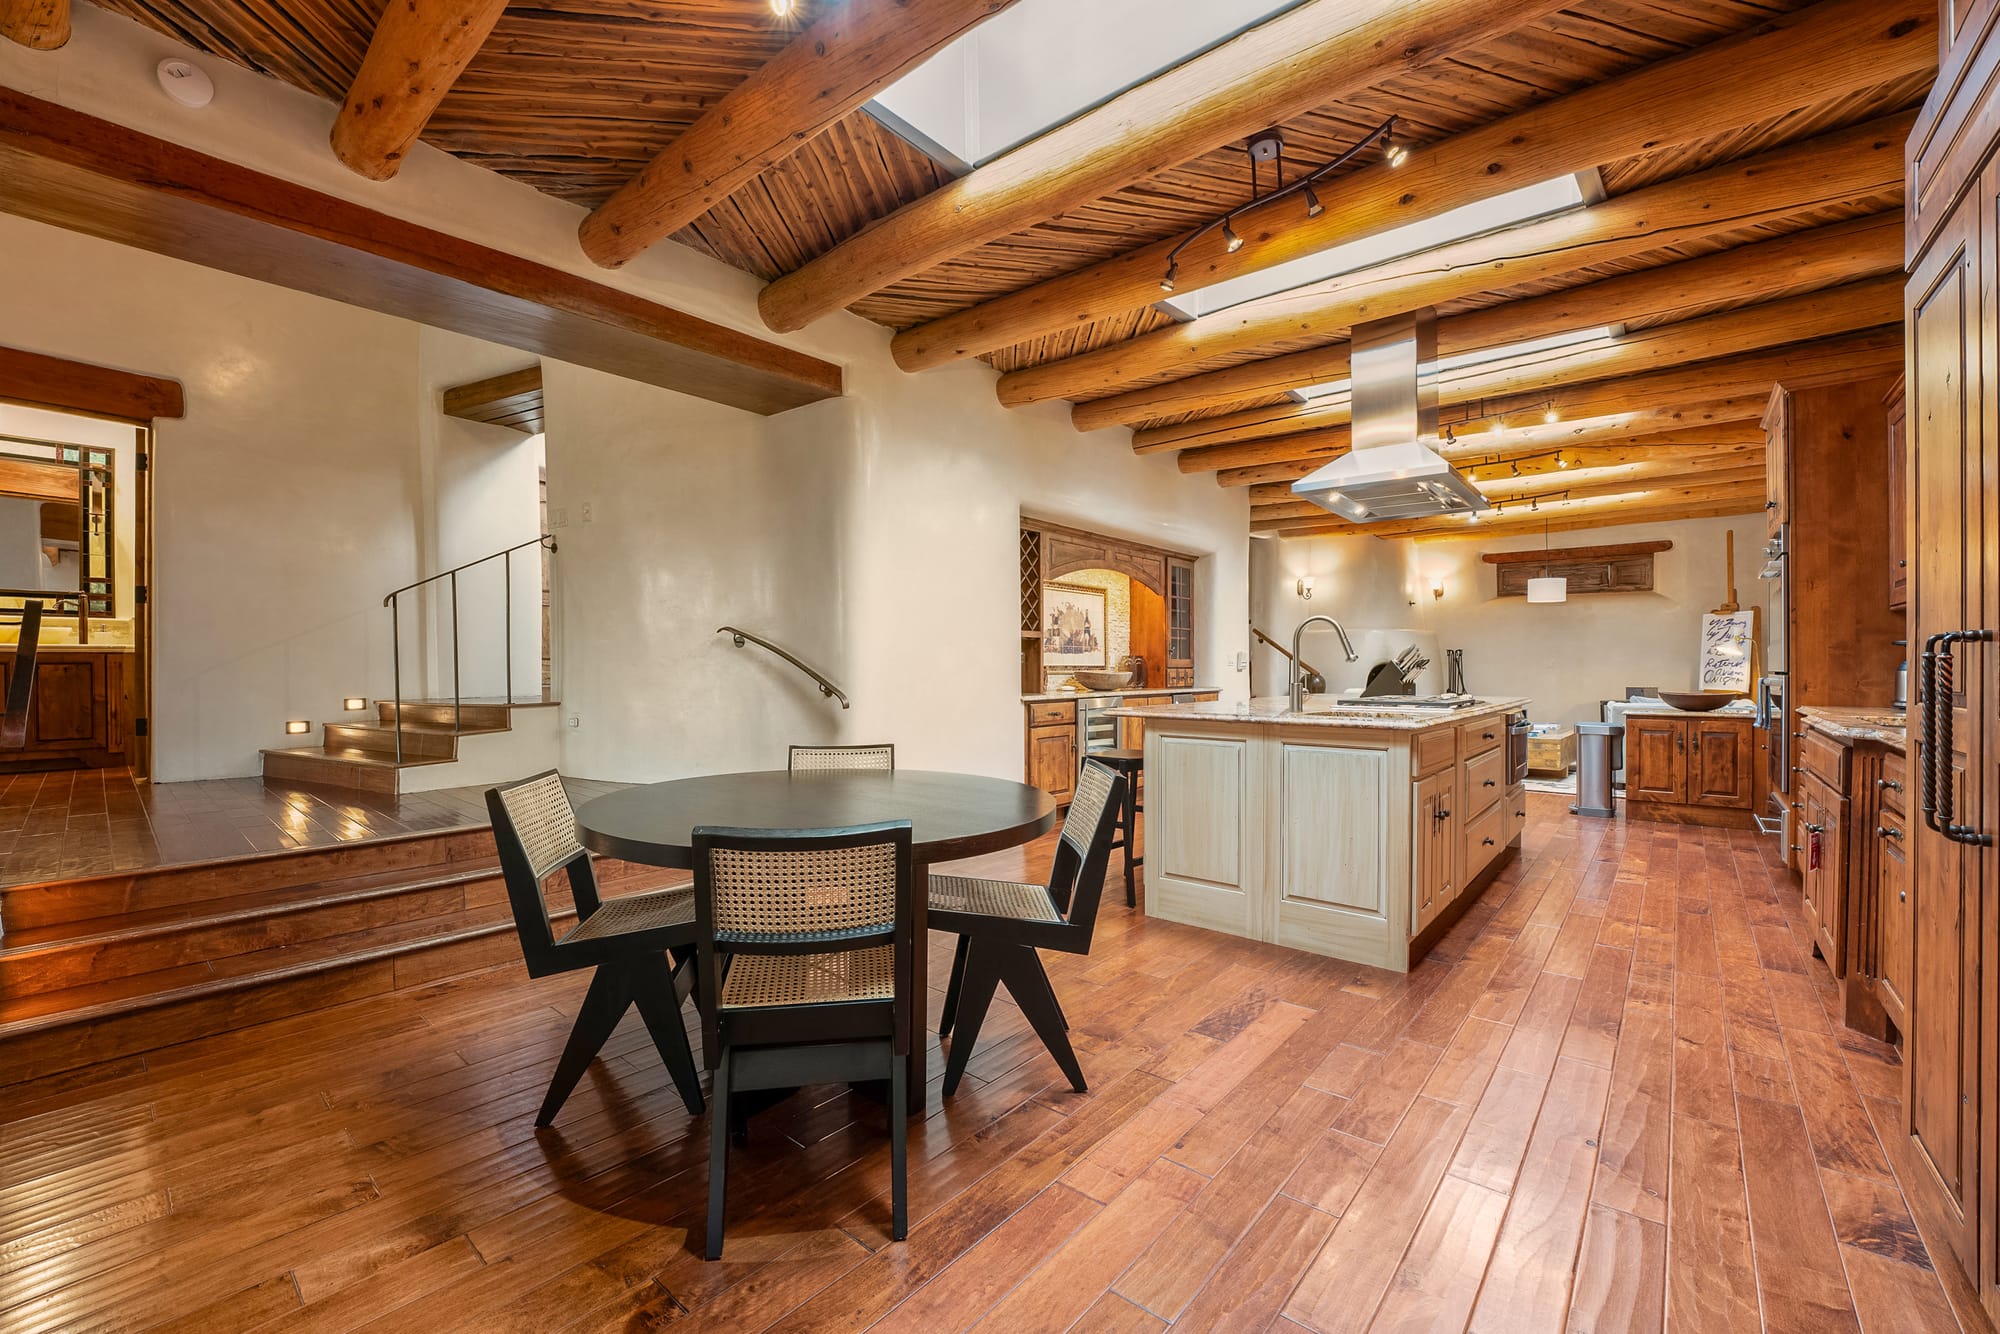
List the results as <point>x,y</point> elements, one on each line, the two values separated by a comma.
<point>1740,709</point>
<point>1047,695</point>
<point>1855,724</point>
<point>1321,711</point>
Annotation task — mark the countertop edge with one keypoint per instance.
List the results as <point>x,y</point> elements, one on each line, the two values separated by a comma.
<point>1826,719</point>
<point>1274,715</point>
<point>1056,696</point>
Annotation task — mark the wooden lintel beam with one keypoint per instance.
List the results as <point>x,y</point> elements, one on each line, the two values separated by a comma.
<point>42,25</point>
<point>72,170</point>
<point>1304,58</point>
<point>419,49</point>
<point>1794,60</point>
<point>1866,304</point>
<point>512,400</point>
<point>1787,265</point>
<point>35,380</point>
<point>1858,165</point>
<point>829,70</point>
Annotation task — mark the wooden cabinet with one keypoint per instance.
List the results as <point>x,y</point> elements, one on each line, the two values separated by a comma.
<point>1892,892</point>
<point>80,714</point>
<point>1051,746</point>
<point>1434,838</point>
<point>1777,472</point>
<point>1180,621</point>
<point>1695,768</point>
<point>1823,868</point>
<point>1899,510</point>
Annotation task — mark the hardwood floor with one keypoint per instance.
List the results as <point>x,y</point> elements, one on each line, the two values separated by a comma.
<point>1613,1099</point>
<point>81,822</point>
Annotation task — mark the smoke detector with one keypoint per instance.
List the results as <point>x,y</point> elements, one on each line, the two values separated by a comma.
<point>186,82</point>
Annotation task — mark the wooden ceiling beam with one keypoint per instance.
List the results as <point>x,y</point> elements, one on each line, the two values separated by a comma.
<point>419,49</point>
<point>825,73</point>
<point>1695,423</point>
<point>1623,507</point>
<point>1786,265</point>
<point>1649,481</point>
<point>36,380</point>
<point>93,176</point>
<point>1795,60</point>
<point>1317,53</point>
<point>1834,310</point>
<point>42,25</point>
<point>1824,361</point>
<point>1861,163</point>
<point>1586,464</point>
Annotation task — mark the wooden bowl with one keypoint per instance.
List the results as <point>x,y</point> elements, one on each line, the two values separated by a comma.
<point>1699,701</point>
<point>1103,680</point>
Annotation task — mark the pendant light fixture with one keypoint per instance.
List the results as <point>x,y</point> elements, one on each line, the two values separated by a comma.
<point>1547,588</point>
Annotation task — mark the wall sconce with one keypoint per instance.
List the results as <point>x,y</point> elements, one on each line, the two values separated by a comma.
<point>1306,587</point>
<point>354,704</point>
<point>297,727</point>
<point>1437,589</point>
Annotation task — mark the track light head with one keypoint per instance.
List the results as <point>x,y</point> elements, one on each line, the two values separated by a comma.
<point>1230,240</point>
<point>1561,462</point>
<point>783,8</point>
<point>1313,207</point>
<point>1393,153</point>
<point>1550,415</point>
<point>1167,279</point>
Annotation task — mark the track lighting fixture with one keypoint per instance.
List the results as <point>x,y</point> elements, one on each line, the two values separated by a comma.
<point>783,8</point>
<point>1313,207</point>
<point>1230,240</point>
<point>1394,153</point>
<point>1516,466</point>
<point>1167,282</point>
<point>1550,415</point>
<point>1561,462</point>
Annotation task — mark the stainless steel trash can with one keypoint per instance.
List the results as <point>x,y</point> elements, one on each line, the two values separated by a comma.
<point>1600,752</point>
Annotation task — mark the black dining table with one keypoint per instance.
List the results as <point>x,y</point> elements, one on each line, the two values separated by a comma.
<point>952,816</point>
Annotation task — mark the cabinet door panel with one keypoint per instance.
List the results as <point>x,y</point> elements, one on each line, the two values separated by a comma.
<point>1893,869</point>
<point>65,709</point>
<point>1655,758</point>
<point>1434,848</point>
<point>1719,760</point>
<point>1052,759</point>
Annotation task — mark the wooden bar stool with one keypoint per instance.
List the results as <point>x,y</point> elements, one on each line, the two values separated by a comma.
<point>1130,763</point>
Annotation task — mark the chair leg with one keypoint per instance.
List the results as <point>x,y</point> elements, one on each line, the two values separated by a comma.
<point>982,975</point>
<point>899,1150</point>
<point>1029,985</point>
<point>603,1006</point>
<point>653,983</point>
<point>952,988</point>
<point>1131,839</point>
<point>718,1156</point>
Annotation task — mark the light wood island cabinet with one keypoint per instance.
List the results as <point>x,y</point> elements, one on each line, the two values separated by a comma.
<point>1346,832</point>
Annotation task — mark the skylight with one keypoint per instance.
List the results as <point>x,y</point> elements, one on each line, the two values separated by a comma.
<point>1042,62</point>
<point>1488,215</point>
<point>1463,366</point>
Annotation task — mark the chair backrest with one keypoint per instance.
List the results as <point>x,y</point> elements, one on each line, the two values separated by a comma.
<point>1076,876</point>
<point>535,830</point>
<point>801,891</point>
<point>820,759</point>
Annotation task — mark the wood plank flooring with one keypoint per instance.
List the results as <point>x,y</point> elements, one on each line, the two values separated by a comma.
<point>1613,1098</point>
<point>80,822</point>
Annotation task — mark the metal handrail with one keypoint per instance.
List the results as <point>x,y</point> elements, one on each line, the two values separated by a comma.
<point>506,559</point>
<point>1312,673</point>
<point>826,687</point>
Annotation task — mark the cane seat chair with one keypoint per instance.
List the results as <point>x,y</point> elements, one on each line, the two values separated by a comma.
<point>803,949</point>
<point>1000,924</point>
<point>824,759</point>
<point>642,945</point>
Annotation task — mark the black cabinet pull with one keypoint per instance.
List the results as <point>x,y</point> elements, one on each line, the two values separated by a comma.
<point>1487,783</point>
<point>1888,785</point>
<point>1486,842</point>
<point>1884,831</point>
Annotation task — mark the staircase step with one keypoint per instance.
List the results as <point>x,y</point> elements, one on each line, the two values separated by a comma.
<point>343,766</point>
<point>185,887</point>
<point>420,740</point>
<point>45,1031</point>
<point>486,715</point>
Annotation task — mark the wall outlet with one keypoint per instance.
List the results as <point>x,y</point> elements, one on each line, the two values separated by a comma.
<point>574,721</point>
<point>584,511</point>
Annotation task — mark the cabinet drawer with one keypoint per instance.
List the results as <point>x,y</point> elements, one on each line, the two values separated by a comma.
<point>1485,835</point>
<point>1825,759</point>
<point>1485,778</point>
<point>1476,737</point>
<point>1432,751</point>
<point>1051,711</point>
<point>1894,783</point>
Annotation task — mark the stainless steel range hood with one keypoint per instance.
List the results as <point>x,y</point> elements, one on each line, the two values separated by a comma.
<point>1392,469</point>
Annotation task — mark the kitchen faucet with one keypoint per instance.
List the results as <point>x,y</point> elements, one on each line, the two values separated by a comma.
<point>1298,675</point>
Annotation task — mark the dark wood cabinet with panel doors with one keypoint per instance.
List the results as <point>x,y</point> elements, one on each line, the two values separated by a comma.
<point>1951,1049</point>
<point>1689,768</point>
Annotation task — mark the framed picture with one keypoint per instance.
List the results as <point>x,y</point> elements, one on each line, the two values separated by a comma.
<point>1072,626</point>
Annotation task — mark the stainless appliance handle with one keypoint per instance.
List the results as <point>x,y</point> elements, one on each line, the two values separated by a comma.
<point>1774,824</point>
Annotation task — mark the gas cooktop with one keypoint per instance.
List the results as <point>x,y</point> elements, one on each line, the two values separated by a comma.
<point>1409,701</point>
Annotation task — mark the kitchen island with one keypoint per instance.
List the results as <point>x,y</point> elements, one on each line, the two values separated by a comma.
<point>1356,832</point>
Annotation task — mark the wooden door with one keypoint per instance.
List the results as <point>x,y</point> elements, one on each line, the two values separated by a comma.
<point>1943,1041</point>
<point>1899,509</point>
<point>1655,758</point>
<point>1720,760</point>
<point>1777,459</point>
<point>1052,759</point>
<point>1892,870</point>
<point>68,707</point>
<point>1432,838</point>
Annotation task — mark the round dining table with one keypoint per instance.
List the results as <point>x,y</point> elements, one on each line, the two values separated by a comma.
<point>952,816</point>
